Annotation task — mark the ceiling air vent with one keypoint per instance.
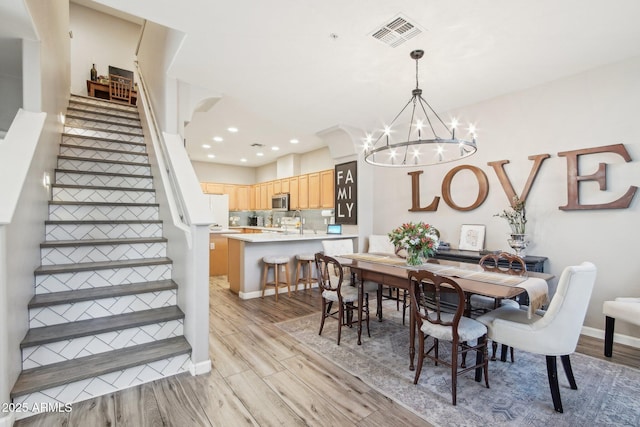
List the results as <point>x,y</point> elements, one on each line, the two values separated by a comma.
<point>397,31</point>
<point>257,145</point>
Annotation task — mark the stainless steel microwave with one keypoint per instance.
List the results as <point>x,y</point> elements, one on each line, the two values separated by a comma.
<point>280,202</point>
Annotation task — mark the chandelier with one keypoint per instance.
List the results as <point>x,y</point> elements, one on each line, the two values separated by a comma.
<point>422,146</point>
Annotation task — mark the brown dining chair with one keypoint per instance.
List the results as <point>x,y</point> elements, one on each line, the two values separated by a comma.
<point>334,289</point>
<point>438,304</point>
<point>120,88</point>
<point>505,263</point>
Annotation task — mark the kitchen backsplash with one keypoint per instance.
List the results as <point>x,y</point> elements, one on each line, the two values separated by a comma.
<point>313,218</point>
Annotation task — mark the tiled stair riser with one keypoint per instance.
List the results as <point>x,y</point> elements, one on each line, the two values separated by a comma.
<point>78,254</point>
<point>102,143</point>
<point>109,125</point>
<point>87,153</point>
<point>76,231</point>
<point>99,195</point>
<point>59,351</point>
<point>98,166</point>
<point>70,178</point>
<point>103,104</point>
<point>98,109</point>
<point>104,384</point>
<point>103,134</point>
<point>107,212</point>
<point>113,117</point>
<point>92,309</point>
<point>60,282</point>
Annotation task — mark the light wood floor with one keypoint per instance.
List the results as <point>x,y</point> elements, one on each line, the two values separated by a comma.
<point>260,376</point>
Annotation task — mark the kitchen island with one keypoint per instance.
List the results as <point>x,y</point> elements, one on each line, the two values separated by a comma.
<point>246,252</point>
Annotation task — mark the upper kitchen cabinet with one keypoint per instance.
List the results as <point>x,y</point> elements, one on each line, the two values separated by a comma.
<point>303,192</point>
<point>243,194</point>
<point>314,190</point>
<point>327,191</point>
<point>294,188</point>
<point>214,188</point>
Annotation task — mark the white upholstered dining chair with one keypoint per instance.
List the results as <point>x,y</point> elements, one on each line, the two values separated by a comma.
<point>556,332</point>
<point>623,308</point>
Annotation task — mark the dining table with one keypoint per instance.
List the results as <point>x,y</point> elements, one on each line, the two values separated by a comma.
<point>392,271</point>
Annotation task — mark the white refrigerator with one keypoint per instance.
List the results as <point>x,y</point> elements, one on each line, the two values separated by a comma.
<point>219,205</point>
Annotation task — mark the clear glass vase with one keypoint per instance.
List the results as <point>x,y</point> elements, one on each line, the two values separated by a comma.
<point>415,257</point>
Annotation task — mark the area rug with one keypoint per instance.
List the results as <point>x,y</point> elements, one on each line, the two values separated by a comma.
<point>608,394</point>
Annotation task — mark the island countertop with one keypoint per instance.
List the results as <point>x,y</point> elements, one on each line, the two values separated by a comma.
<point>285,237</point>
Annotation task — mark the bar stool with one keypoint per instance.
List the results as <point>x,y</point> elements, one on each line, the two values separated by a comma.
<point>307,279</point>
<point>275,262</point>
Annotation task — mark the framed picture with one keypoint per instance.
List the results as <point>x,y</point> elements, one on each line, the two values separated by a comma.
<point>471,237</point>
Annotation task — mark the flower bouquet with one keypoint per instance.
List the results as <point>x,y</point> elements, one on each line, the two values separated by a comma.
<point>516,216</point>
<point>420,240</point>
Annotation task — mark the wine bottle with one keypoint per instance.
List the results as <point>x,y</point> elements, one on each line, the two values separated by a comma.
<point>94,73</point>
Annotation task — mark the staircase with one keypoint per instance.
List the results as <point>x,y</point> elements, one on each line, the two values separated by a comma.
<point>104,315</point>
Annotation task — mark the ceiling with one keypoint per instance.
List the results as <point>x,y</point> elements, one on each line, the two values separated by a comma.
<point>289,69</point>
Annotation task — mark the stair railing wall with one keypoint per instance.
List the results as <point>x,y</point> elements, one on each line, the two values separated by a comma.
<point>178,189</point>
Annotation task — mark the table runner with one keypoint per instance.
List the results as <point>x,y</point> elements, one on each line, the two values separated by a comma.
<point>536,288</point>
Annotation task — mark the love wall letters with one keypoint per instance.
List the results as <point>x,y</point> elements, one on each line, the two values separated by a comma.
<point>573,182</point>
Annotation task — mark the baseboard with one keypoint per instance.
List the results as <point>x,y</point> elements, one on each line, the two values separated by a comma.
<point>7,420</point>
<point>617,338</point>
<point>271,291</point>
<point>200,367</point>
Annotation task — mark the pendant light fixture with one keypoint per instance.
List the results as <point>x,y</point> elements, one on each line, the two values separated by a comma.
<point>423,145</point>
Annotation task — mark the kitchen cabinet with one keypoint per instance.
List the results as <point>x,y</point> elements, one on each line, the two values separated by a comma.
<point>231,190</point>
<point>327,190</point>
<point>215,188</point>
<point>314,190</point>
<point>303,192</point>
<point>218,255</point>
<point>277,186</point>
<point>243,196</point>
<point>252,197</point>
<point>265,200</point>
<point>294,185</point>
<point>284,185</point>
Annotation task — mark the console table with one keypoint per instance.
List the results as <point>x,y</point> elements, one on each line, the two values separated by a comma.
<point>101,90</point>
<point>533,263</point>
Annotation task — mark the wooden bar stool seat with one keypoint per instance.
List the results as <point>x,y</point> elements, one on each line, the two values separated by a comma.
<point>276,262</point>
<point>304,265</point>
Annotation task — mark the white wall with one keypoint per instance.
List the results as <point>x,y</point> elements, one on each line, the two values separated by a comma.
<point>49,72</point>
<point>10,80</point>
<point>593,109</point>
<point>214,172</point>
<point>99,39</point>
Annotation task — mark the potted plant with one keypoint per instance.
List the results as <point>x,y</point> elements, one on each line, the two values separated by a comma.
<point>517,218</point>
<point>420,240</point>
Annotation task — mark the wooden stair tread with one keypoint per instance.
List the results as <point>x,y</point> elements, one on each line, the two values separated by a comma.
<point>119,132</point>
<point>81,328</point>
<point>86,172</point>
<point>100,187</point>
<point>99,242</point>
<point>69,297</point>
<point>100,265</point>
<point>106,150</point>
<point>89,159</point>
<point>101,138</point>
<point>111,113</point>
<point>109,122</point>
<point>57,374</point>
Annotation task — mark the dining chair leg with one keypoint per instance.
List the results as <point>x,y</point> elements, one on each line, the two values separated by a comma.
<point>494,349</point>
<point>379,302</point>
<point>503,352</point>
<point>566,364</point>
<point>552,373</point>
<point>366,311</point>
<point>454,372</point>
<point>421,339</point>
<point>480,359</point>
<point>608,335</point>
<point>340,320</point>
<point>324,314</point>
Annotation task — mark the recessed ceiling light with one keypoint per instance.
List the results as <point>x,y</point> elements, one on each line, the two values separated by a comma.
<point>232,129</point>
<point>206,146</point>
<point>211,156</point>
<point>274,148</point>
<point>294,141</point>
<point>260,154</point>
<point>218,139</point>
<point>243,160</point>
